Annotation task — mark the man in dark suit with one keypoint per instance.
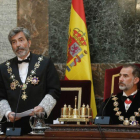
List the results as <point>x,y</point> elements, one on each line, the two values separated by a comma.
<point>32,79</point>
<point>124,107</point>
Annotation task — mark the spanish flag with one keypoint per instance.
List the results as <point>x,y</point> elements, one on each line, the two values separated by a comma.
<point>78,55</point>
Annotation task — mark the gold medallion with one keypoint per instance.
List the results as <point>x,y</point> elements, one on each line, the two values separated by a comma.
<point>137,114</point>
<point>24,86</point>
<point>33,72</point>
<point>28,80</point>
<point>118,113</point>
<point>34,80</point>
<point>40,58</point>
<point>13,85</point>
<point>126,122</point>
<point>116,109</point>
<point>113,95</point>
<point>7,63</point>
<point>37,65</point>
<point>121,118</point>
<point>24,96</point>
<point>115,104</point>
<point>114,98</point>
<point>9,70</point>
<point>132,118</point>
<point>12,76</point>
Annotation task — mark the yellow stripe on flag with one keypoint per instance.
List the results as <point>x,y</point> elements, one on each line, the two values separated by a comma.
<point>78,63</point>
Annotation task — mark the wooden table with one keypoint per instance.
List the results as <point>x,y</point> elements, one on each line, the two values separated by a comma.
<point>25,137</point>
<point>92,132</point>
<point>84,132</point>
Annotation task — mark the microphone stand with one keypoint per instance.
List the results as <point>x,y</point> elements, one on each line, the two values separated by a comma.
<point>14,131</point>
<point>103,119</point>
<point>105,106</point>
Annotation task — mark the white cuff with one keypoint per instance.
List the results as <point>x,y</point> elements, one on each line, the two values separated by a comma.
<point>4,107</point>
<point>48,104</point>
<point>6,115</point>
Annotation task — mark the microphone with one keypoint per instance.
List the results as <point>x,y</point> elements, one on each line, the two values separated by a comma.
<point>14,131</point>
<point>103,119</point>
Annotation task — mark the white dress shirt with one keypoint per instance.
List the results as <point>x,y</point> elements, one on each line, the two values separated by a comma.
<point>23,69</point>
<point>128,105</point>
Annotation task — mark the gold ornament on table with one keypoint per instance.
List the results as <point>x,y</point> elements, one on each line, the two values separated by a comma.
<point>89,112</point>
<point>83,111</point>
<point>30,79</point>
<point>83,114</point>
<point>70,111</point>
<point>75,110</point>
<point>64,112</point>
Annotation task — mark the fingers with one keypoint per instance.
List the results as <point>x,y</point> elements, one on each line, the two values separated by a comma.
<point>17,119</point>
<point>38,109</point>
<point>11,117</point>
<point>32,114</point>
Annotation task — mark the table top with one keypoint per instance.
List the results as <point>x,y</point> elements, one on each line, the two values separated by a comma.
<point>83,132</point>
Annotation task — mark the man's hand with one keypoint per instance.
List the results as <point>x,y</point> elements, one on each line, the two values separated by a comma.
<point>38,109</point>
<point>11,117</point>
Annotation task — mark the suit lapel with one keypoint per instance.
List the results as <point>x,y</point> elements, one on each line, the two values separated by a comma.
<point>15,71</point>
<point>32,62</point>
<point>134,105</point>
<point>121,105</point>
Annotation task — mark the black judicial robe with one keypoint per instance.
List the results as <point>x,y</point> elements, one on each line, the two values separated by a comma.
<point>109,109</point>
<point>49,84</point>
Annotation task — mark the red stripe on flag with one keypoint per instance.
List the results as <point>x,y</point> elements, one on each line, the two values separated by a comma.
<point>66,78</point>
<point>78,6</point>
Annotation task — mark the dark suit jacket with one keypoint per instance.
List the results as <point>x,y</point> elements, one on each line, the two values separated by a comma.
<point>110,112</point>
<point>48,84</point>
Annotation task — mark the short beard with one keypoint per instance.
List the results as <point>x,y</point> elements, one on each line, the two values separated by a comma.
<point>122,88</point>
<point>23,53</point>
<point>126,87</point>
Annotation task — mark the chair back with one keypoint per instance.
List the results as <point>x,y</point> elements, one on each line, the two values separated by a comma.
<point>70,89</point>
<point>111,81</point>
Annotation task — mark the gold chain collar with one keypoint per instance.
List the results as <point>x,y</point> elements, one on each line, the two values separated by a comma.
<point>132,119</point>
<point>33,79</point>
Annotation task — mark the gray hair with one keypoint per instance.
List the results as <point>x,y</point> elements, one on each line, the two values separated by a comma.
<point>16,30</point>
<point>136,69</point>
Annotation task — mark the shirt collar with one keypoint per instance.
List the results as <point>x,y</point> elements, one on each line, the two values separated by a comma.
<point>133,93</point>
